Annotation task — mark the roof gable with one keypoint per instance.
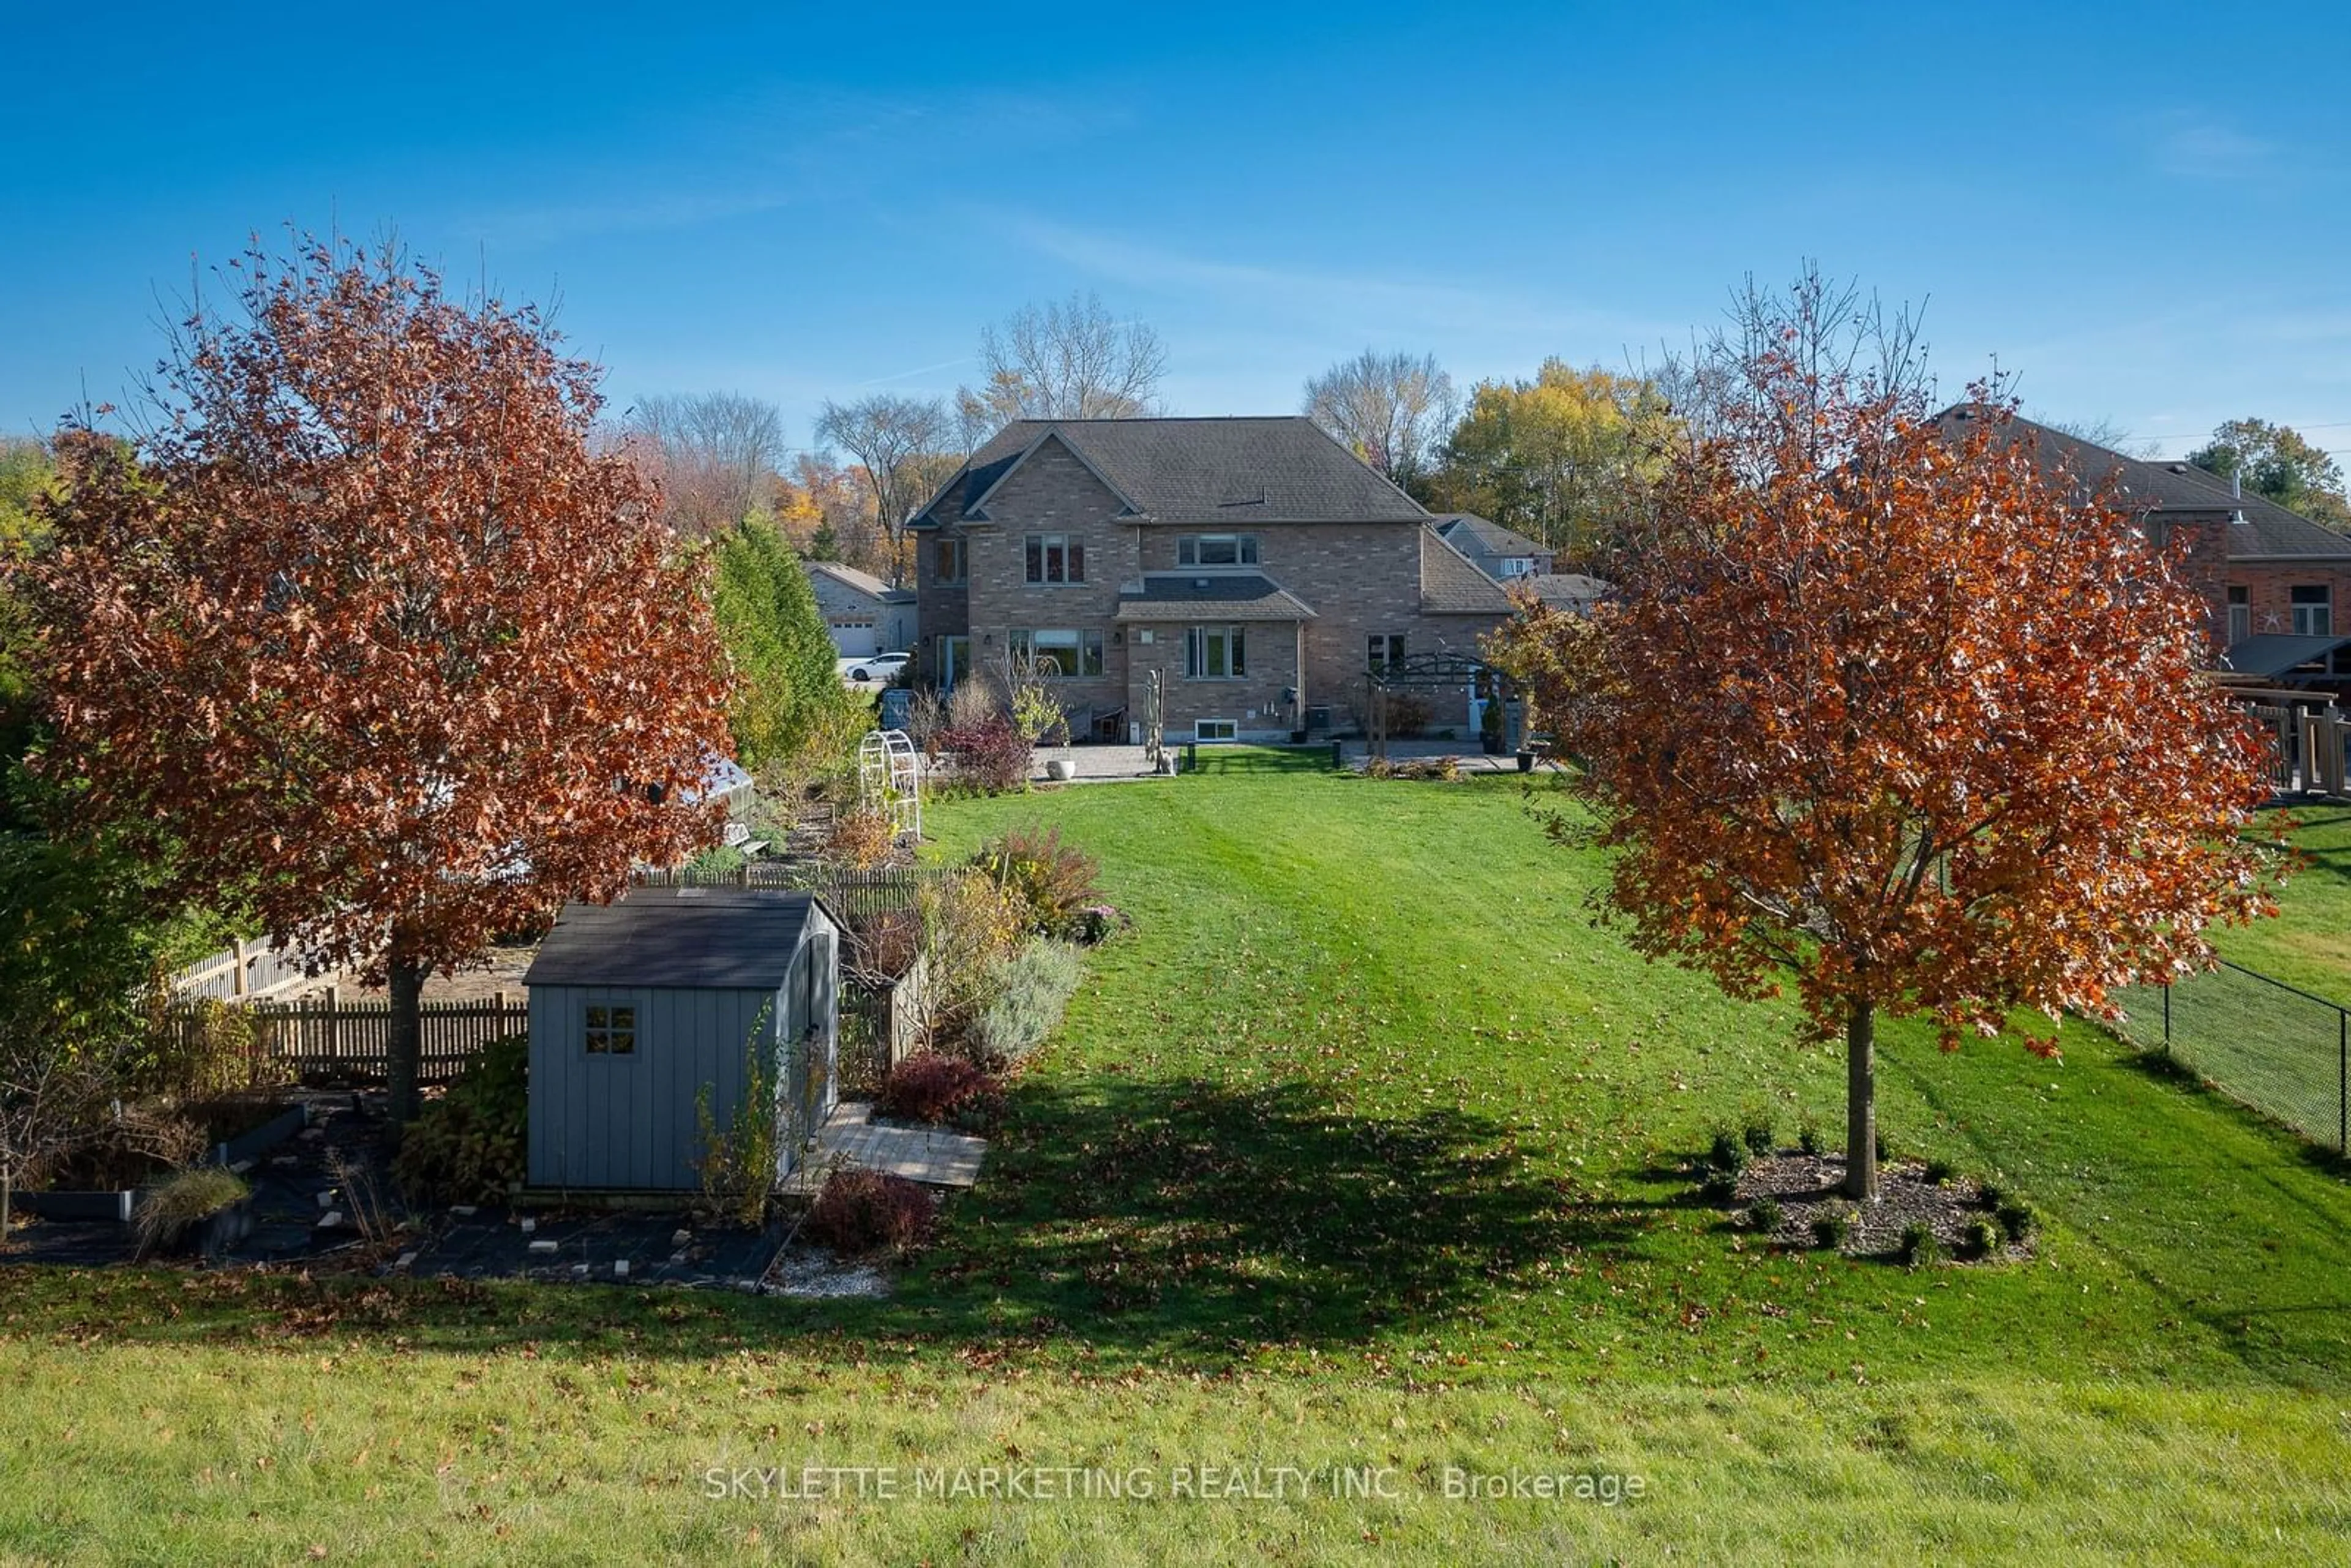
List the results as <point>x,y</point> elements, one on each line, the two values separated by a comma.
<point>1464,529</point>
<point>976,507</point>
<point>1218,473</point>
<point>1451,584</point>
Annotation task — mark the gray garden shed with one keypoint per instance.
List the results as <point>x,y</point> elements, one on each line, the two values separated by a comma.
<point>637,1006</point>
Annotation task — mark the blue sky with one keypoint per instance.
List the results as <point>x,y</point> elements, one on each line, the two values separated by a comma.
<point>2143,216</point>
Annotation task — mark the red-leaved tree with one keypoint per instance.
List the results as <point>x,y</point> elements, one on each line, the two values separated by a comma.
<point>399,662</point>
<point>1899,713</point>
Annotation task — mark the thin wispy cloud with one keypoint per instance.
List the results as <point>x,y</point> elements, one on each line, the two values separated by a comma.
<point>2194,146</point>
<point>917,371</point>
<point>1407,307</point>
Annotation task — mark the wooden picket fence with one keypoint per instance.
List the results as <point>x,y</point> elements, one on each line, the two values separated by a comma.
<point>340,1040</point>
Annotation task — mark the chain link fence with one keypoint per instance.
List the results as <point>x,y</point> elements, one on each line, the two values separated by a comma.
<point>2280,1050</point>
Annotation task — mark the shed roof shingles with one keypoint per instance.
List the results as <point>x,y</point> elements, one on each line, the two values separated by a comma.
<point>679,938</point>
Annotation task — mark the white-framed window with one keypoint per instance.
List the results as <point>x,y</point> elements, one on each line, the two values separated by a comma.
<point>948,559</point>
<point>1057,558</point>
<point>2313,609</point>
<point>1215,653</point>
<point>1385,653</point>
<point>1216,549</point>
<point>1058,653</point>
<point>612,1029</point>
<point>1216,729</point>
<point>1518,566</point>
<point>2241,613</point>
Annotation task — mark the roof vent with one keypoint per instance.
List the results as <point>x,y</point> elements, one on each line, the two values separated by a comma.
<point>2180,467</point>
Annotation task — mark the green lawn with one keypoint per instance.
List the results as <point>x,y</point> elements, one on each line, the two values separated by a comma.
<point>1362,1151</point>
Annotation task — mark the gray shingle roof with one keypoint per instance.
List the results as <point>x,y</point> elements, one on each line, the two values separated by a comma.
<point>864,582</point>
<point>1566,589</point>
<point>2177,489</point>
<point>681,938</point>
<point>1491,537</point>
<point>1223,473</point>
<point>1233,596</point>
<point>1451,584</point>
<point>2273,654</point>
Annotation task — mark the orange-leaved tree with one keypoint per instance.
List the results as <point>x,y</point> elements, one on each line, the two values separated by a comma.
<point>1900,713</point>
<point>400,662</point>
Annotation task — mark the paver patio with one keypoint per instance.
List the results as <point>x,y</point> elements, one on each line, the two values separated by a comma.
<point>850,1136</point>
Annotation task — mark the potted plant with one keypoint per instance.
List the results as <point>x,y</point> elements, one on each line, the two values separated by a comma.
<point>1489,726</point>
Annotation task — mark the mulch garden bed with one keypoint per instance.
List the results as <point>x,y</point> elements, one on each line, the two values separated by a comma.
<point>1807,1188</point>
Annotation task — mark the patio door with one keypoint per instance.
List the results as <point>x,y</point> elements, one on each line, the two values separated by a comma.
<point>954,658</point>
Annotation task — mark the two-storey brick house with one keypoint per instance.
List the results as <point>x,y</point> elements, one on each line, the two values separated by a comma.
<point>2267,575</point>
<point>1258,566</point>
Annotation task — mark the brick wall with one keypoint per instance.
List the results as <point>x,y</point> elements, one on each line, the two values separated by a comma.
<point>1052,492</point>
<point>1360,579</point>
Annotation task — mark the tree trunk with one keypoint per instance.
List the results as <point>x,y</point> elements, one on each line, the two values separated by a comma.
<point>1861,1102</point>
<point>404,1035</point>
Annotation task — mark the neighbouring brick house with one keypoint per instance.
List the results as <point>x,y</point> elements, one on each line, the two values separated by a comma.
<point>1254,562</point>
<point>864,614</point>
<point>2263,571</point>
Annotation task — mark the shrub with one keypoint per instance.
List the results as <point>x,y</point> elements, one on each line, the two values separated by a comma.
<point>1758,1130</point>
<point>1919,1245</point>
<point>1031,988</point>
<point>861,840</point>
<point>1096,922</point>
<point>718,860</point>
<point>210,1050</point>
<point>863,1211</point>
<point>931,1086</point>
<point>1719,1187</point>
<point>1765,1214</point>
<point>739,1161</point>
<point>169,1211</point>
<point>1938,1173</point>
<point>971,705</point>
<point>1808,1136</point>
<point>1050,881</point>
<point>1981,1239</point>
<point>969,926</point>
<point>467,1146</point>
<point>1408,713</point>
<point>2017,1220</point>
<point>1433,770</point>
<point>1992,1196</point>
<point>1729,1152</point>
<point>992,757</point>
<point>1831,1228</point>
<point>127,1145</point>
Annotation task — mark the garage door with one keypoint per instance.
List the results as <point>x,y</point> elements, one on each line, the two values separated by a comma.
<point>855,639</point>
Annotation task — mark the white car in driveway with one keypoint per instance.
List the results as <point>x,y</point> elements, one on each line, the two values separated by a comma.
<point>879,667</point>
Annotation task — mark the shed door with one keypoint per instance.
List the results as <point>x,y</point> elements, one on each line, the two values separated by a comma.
<point>819,1081</point>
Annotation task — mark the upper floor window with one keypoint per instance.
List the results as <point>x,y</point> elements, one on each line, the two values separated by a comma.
<point>1057,558</point>
<point>1386,652</point>
<point>1057,653</point>
<point>2314,611</point>
<point>1518,566</point>
<point>1215,653</point>
<point>2241,613</point>
<point>1216,549</point>
<point>947,559</point>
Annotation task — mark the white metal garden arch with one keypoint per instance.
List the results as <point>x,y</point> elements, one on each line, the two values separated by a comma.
<point>890,780</point>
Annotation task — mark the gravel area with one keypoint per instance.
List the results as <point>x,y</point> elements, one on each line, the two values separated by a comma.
<point>1806,1186</point>
<point>813,1271</point>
